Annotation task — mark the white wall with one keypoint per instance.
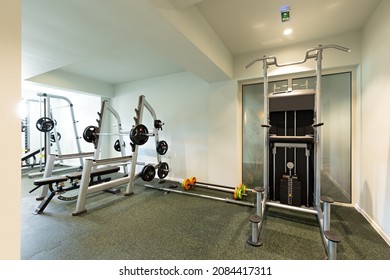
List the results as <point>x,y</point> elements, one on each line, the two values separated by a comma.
<point>373,192</point>
<point>181,102</point>
<point>224,134</point>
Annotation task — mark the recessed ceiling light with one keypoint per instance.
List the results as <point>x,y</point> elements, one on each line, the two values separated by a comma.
<point>287,31</point>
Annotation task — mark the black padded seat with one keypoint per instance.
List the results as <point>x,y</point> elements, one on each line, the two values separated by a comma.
<point>30,154</point>
<point>96,172</point>
<point>50,180</point>
<point>291,139</point>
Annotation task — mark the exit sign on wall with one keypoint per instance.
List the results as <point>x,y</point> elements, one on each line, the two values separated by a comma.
<point>285,13</point>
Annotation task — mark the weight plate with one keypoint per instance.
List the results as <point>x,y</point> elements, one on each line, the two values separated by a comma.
<point>186,183</point>
<point>118,147</point>
<point>237,194</point>
<point>139,134</point>
<point>192,182</point>
<point>243,188</point>
<point>44,124</point>
<point>163,170</point>
<point>162,147</point>
<point>148,173</point>
<point>53,139</point>
<point>89,133</point>
<point>158,124</point>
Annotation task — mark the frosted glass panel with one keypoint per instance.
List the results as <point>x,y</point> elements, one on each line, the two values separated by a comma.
<point>336,133</point>
<point>252,132</point>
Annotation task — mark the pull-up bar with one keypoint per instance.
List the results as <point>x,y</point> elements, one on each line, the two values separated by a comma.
<point>311,53</point>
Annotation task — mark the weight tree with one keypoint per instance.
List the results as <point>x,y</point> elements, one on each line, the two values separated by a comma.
<point>292,152</point>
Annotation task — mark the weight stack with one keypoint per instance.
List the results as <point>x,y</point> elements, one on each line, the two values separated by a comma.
<point>290,190</point>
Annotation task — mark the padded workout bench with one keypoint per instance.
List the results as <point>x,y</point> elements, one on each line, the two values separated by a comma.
<point>86,188</point>
<point>59,184</point>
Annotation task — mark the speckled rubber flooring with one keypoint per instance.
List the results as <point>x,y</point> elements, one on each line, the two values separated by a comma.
<point>152,226</point>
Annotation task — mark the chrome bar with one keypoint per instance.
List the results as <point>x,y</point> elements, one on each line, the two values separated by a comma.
<point>309,55</point>
<point>294,208</point>
<point>227,200</point>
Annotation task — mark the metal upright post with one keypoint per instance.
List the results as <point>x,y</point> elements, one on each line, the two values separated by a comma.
<point>84,183</point>
<point>138,120</point>
<point>49,165</point>
<point>317,142</point>
<point>266,123</point>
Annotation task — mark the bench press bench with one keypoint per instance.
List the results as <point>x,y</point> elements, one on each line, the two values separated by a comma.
<point>57,184</point>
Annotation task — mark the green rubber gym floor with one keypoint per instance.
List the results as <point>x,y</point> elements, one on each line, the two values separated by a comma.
<point>152,226</point>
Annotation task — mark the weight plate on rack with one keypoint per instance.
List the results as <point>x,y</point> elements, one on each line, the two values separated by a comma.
<point>89,133</point>
<point>163,170</point>
<point>148,173</point>
<point>139,134</point>
<point>44,124</point>
<point>162,147</point>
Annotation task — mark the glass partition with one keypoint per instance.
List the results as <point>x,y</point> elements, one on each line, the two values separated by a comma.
<point>336,92</point>
<point>252,132</point>
<point>336,133</point>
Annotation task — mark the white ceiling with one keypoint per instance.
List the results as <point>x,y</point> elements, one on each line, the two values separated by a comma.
<point>119,41</point>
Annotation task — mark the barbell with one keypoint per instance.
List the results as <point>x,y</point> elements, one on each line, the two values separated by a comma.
<point>139,134</point>
<point>238,192</point>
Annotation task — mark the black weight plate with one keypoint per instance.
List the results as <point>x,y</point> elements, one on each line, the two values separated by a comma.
<point>44,124</point>
<point>139,134</point>
<point>53,139</point>
<point>148,173</point>
<point>89,133</point>
<point>163,170</point>
<point>162,147</point>
<point>117,146</point>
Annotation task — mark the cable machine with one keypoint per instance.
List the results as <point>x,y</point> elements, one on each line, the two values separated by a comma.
<point>292,151</point>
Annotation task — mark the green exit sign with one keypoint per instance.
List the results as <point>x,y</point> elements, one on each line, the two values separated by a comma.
<point>285,14</point>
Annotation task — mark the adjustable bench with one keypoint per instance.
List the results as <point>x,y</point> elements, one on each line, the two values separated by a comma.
<point>59,184</point>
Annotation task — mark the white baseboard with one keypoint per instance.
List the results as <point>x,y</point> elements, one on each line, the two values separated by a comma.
<point>373,224</point>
